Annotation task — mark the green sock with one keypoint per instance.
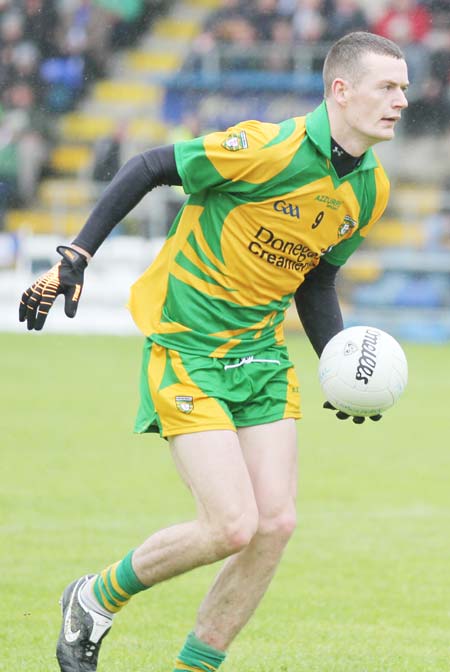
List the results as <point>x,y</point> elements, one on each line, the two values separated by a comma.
<point>116,584</point>
<point>196,656</point>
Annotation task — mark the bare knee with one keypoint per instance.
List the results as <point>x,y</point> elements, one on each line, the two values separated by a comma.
<point>235,531</point>
<point>278,527</point>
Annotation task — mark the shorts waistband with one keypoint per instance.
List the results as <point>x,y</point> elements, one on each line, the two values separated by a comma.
<point>251,360</point>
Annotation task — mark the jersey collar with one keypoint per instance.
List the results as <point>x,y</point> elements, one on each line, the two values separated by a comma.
<point>318,130</point>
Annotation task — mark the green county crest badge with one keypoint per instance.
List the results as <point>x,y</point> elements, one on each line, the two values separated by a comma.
<point>184,404</point>
<point>347,225</point>
<point>235,141</point>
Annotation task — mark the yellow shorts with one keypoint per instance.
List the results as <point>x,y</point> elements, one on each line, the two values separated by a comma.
<point>183,393</point>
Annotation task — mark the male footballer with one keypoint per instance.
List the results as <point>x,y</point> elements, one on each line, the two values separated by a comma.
<point>274,210</point>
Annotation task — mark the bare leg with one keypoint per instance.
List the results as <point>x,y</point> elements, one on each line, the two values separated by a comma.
<point>212,465</point>
<point>271,455</point>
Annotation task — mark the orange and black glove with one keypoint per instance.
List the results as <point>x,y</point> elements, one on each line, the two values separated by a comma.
<point>357,419</point>
<point>66,277</point>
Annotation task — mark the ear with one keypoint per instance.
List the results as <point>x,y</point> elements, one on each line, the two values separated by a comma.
<point>340,91</point>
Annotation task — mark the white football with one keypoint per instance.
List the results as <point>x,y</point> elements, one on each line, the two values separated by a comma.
<point>363,371</point>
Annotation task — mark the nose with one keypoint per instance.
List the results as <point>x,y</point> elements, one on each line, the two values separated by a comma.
<point>401,102</point>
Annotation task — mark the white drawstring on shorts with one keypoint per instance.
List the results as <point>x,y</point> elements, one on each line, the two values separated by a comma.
<point>250,360</point>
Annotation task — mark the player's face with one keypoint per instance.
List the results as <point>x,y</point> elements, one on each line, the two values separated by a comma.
<point>375,101</point>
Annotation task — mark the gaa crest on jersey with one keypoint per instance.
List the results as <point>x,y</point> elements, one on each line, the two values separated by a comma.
<point>184,404</point>
<point>347,226</point>
<point>235,141</point>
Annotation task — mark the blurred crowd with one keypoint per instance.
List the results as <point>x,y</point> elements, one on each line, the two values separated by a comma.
<point>269,35</point>
<point>51,51</point>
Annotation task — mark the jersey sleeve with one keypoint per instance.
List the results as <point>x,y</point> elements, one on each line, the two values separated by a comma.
<point>341,252</point>
<point>248,152</point>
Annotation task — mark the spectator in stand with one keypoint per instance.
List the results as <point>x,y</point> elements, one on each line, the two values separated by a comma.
<point>108,154</point>
<point>429,111</point>
<point>241,33</point>
<point>218,29</point>
<point>309,21</point>
<point>27,148</point>
<point>345,17</point>
<point>408,19</point>
<point>128,19</point>
<point>10,35</point>
<point>216,25</point>
<point>5,69</point>
<point>40,23</point>
<point>92,27</point>
<point>264,16</point>
<point>25,127</point>
<point>440,9</point>
<point>437,229</point>
<point>288,7</point>
<point>408,23</point>
<point>440,57</point>
<point>11,28</point>
<point>310,26</point>
<point>229,10</point>
<point>279,57</point>
<point>25,69</point>
<point>8,165</point>
<point>66,74</point>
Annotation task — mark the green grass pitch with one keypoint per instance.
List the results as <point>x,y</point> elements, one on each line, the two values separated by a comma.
<point>364,584</point>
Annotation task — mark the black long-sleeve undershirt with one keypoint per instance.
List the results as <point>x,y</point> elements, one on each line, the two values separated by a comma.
<point>318,306</point>
<point>134,180</point>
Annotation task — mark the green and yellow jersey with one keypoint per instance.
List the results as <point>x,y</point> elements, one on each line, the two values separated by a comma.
<point>265,205</point>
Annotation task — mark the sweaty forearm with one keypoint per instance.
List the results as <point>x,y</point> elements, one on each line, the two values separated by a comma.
<point>134,180</point>
<point>318,306</point>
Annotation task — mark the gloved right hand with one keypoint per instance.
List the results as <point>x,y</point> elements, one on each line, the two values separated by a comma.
<point>357,419</point>
<point>66,277</point>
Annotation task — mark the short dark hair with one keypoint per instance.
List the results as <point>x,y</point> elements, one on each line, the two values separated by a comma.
<point>344,57</point>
